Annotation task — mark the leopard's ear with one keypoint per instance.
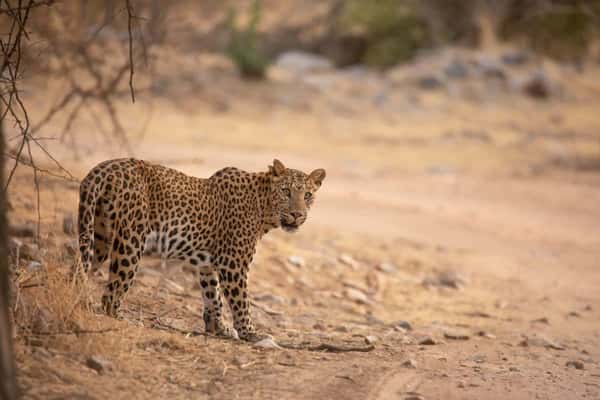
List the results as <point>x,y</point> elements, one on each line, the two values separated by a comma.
<point>278,168</point>
<point>317,176</point>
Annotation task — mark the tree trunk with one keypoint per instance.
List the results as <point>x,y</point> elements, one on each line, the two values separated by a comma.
<point>8,382</point>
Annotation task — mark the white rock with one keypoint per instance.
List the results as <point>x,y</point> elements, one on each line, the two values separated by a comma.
<point>387,268</point>
<point>267,343</point>
<point>302,62</point>
<point>371,339</point>
<point>296,261</point>
<point>356,295</point>
<point>348,260</point>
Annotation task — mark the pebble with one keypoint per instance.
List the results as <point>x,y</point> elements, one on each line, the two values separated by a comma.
<point>387,268</point>
<point>341,328</point>
<point>409,363</point>
<point>348,260</point>
<point>456,335</point>
<point>449,279</point>
<point>99,364</point>
<point>427,340</point>
<point>371,339</point>
<point>267,343</point>
<point>402,324</point>
<point>356,295</point>
<point>540,341</point>
<point>575,364</point>
<point>296,261</point>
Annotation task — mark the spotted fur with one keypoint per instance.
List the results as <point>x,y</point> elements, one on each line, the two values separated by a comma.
<point>213,224</point>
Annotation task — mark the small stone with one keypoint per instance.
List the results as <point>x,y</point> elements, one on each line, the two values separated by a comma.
<point>478,358</point>
<point>538,86</point>
<point>574,314</point>
<point>348,260</point>
<point>427,341</point>
<point>371,339</point>
<point>356,295</point>
<point>341,328</point>
<point>69,224</point>
<point>457,70</point>
<point>99,364</point>
<point>267,343</point>
<point>449,279</point>
<point>460,384</point>
<point>513,369</point>
<point>409,363</point>
<point>515,58</point>
<point>575,364</point>
<point>456,335</point>
<point>542,320</point>
<point>402,324</point>
<point>412,396</point>
<point>429,82</point>
<point>319,327</point>
<point>296,261</point>
<point>486,335</point>
<point>540,341</point>
<point>387,268</point>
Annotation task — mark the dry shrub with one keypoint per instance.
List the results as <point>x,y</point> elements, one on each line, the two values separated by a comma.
<point>51,311</point>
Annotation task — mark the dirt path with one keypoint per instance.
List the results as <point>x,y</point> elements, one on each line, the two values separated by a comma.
<point>523,243</point>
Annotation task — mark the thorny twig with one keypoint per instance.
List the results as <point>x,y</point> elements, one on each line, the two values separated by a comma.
<point>12,106</point>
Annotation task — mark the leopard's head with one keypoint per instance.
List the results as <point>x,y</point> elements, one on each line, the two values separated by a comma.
<point>293,193</point>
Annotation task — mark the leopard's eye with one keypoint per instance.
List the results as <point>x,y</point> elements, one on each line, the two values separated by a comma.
<point>286,192</point>
<point>307,195</point>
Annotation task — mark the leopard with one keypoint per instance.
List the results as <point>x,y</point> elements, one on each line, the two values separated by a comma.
<point>211,224</point>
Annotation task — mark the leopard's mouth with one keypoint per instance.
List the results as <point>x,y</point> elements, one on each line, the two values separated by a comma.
<point>288,227</point>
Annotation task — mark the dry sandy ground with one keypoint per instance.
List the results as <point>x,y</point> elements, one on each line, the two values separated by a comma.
<point>489,250</point>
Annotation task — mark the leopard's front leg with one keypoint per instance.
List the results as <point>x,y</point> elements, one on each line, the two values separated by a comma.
<point>234,280</point>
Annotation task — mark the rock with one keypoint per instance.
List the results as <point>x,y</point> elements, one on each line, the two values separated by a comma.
<point>540,341</point>
<point>22,230</point>
<point>296,261</point>
<point>371,339</point>
<point>513,369</point>
<point>69,224</point>
<point>348,260</point>
<point>457,70</point>
<point>515,58</point>
<point>402,324</point>
<point>542,320</point>
<point>456,335</point>
<point>486,335</point>
<point>409,363</point>
<point>387,268</point>
<point>449,279</point>
<point>429,82</point>
<point>575,364</point>
<point>301,62</point>
<point>267,343</point>
<point>538,86</point>
<point>426,341</point>
<point>341,328</point>
<point>490,68</point>
<point>478,358</point>
<point>356,295</point>
<point>319,327</point>
<point>574,314</point>
<point>99,364</point>
<point>34,266</point>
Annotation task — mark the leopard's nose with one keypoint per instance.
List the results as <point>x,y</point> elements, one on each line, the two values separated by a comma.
<point>296,214</point>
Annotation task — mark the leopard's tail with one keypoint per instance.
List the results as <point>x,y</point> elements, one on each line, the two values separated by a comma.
<point>88,197</point>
